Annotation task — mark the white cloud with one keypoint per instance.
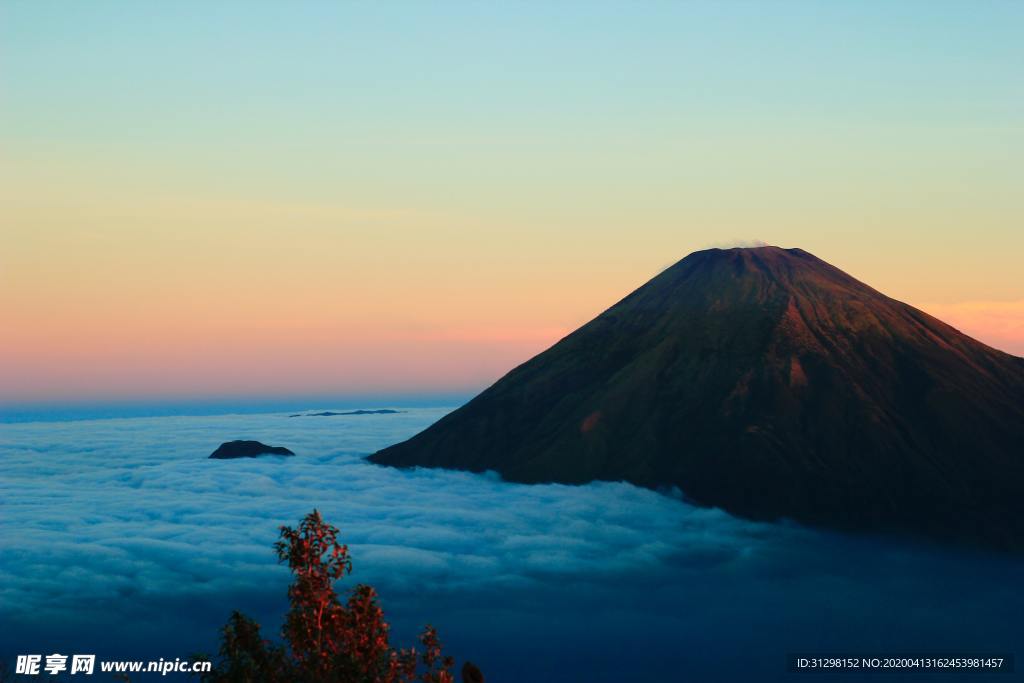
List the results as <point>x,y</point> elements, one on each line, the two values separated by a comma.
<point>123,532</point>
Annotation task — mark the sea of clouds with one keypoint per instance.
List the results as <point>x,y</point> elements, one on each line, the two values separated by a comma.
<point>120,536</point>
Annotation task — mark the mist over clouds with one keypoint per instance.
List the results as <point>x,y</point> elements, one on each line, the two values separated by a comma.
<point>120,536</point>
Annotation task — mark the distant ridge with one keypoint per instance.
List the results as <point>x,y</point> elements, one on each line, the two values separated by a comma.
<point>328,413</point>
<point>771,384</point>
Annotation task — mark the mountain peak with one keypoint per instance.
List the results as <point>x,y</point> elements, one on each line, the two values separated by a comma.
<point>769,259</point>
<point>769,383</point>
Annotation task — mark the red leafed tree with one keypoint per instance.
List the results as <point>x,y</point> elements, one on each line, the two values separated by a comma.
<point>326,641</point>
<point>315,626</point>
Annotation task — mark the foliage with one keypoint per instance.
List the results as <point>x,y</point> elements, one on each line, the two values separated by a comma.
<point>326,641</point>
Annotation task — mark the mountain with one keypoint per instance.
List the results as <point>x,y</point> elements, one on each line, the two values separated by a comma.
<point>773,385</point>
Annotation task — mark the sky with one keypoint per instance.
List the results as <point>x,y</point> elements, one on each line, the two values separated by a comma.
<point>225,199</point>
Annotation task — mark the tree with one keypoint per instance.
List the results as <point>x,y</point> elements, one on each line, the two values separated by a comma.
<point>324,640</point>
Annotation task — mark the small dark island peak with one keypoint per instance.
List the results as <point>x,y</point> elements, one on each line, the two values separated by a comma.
<point>246,449</point>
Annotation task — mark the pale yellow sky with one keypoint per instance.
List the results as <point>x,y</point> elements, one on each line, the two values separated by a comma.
<point>346,204</point>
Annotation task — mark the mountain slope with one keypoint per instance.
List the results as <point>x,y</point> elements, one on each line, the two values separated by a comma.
<point>771,384</point>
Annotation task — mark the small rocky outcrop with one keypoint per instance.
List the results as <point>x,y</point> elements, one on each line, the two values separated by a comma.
<point>247,449</point>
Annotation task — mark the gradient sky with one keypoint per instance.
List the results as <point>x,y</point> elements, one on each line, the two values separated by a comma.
<point>279,198</point>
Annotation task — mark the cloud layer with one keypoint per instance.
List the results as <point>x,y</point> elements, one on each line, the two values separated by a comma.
<point>120,535</point>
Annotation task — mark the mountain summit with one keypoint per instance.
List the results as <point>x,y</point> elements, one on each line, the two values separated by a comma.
<point>771,384</point>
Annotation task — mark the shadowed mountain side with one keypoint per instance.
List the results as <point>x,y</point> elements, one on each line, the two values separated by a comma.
<point>771,384</point>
